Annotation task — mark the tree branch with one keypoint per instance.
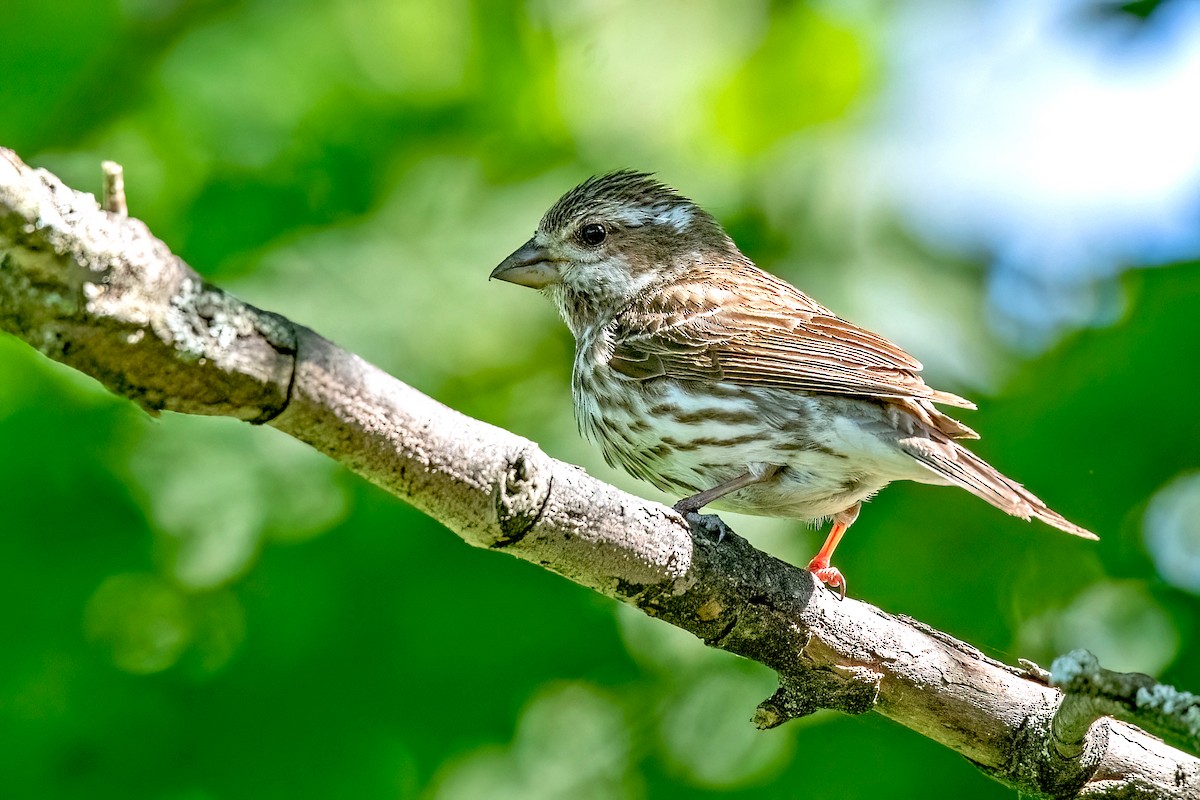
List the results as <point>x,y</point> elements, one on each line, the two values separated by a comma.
<point>1092,691</point>
<point>95,290</point>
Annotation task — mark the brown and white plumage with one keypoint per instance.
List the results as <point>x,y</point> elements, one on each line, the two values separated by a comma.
<point>702,374</point>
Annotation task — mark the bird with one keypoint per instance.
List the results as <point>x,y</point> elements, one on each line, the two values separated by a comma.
<point>714,380</point>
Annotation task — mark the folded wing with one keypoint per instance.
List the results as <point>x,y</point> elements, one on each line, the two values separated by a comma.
<point>760,331</point>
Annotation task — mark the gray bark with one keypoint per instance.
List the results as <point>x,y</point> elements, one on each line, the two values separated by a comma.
<point>95,290</point>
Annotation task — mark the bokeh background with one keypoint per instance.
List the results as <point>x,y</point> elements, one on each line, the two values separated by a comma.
<point>193,608</point>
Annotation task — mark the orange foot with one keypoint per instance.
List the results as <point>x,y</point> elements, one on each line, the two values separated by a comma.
<point>830,576</point>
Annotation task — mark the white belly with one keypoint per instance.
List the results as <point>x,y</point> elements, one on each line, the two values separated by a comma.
<point>832,452</point>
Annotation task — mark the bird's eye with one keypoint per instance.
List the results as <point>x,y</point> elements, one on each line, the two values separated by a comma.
<point>592,234</point>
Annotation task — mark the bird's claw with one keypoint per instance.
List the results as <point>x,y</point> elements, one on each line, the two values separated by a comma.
<point>831,577</point>
<point>707,522</point>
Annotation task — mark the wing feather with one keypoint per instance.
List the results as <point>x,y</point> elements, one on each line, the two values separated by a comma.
<point>740,325</point>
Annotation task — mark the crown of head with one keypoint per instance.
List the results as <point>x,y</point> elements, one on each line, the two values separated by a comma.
<point>629,198</point>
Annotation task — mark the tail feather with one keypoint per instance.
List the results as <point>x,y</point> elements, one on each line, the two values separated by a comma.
<point>963,468</point>
<point>950,399</point>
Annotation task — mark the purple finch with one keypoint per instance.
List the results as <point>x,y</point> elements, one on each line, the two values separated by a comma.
<point>702,374</point>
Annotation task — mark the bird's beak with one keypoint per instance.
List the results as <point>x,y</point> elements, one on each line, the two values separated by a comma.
<point>531,265</point>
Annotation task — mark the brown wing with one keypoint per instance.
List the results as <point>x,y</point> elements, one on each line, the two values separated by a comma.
<point>747,327</point>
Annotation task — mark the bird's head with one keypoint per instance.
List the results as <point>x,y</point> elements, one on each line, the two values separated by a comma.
<point>609,239</point>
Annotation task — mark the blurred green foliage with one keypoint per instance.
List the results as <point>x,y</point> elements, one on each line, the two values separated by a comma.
<point>192,608</point>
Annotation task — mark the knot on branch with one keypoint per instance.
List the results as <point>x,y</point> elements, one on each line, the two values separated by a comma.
<point>851,690</point>
<point>521,496</point>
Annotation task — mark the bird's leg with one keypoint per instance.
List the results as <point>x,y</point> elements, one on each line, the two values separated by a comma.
<point>698,501</point>
<point>819,566</point>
